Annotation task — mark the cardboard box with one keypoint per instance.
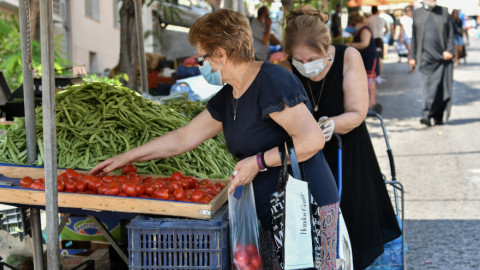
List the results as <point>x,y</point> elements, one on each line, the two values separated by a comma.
<point>81,228</point>
<point>99,256</point>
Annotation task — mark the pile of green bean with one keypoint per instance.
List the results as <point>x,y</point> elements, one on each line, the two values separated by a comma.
<point>97,120</point>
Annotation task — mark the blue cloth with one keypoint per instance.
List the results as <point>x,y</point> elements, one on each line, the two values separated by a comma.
<point>254,131</point>
<point>458,40</point>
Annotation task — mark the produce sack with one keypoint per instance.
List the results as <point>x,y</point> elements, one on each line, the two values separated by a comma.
<point>244,228</point>
<point>295,217</point>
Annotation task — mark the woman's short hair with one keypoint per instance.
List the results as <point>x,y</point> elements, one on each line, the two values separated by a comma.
<point>307,26</point>
<point>355,17</point>
<point>227,29</point>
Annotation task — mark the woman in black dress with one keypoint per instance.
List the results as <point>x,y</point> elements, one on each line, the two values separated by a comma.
<point>260,106</point>
<point>335,79</point>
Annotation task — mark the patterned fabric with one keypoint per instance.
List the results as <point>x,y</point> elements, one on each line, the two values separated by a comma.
<point>328,227</point>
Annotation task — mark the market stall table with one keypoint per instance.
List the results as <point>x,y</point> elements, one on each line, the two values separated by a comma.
<point>95,206</point>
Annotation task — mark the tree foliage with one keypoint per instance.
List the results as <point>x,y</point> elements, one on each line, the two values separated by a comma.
<point>11,52</point>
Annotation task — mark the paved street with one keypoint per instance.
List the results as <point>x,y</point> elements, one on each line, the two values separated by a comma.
<point>438,166</point>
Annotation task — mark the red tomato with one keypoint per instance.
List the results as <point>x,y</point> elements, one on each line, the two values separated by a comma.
<point>87,178</point>
<point>179,194</point>
<point>251,249</point>
<point>60,185</point>
<point>204,182</point>
<point>122,178</point>
<point>108,178</point>
<point>40,181</point>
<point>63,176</point>
<point>249,267</point>
<point>197,195</point>
<point>220,186</point>
<point>131,175</point>
<point>75,175</point>
<point>192,181</point>
<point>161,194</point>
<point>188,192</point>
<point>129,189</point>
<point>145,196</point>
<point>241,258</point>
<point>255,261</point>
<point>184,183</point>
<point>140,189</point>
<point>102,189</point>
<point>177,176</point>
<point>123,194</point>
<point>149,189</point>
<point>129,168</point>
<point>94,185</point>
<point>149,180</point>
<point>159,184</point>
<point>81,186</point>
<point>38,186</point>
<point>89,192</point>
<point>112,190</point>
<point>26,181</point>
<point>205,199</point>
<point>70,186</point>
<point>69,171</point>
<point>175,184</point>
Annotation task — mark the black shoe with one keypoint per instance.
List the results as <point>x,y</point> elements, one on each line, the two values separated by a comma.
<point>438,122</point>
<point>425,121</point>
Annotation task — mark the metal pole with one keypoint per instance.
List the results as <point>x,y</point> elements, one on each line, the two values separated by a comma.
<point>141,46</point>
<point>29,99</point>
<point>37,238</point>
<point>49,133</point>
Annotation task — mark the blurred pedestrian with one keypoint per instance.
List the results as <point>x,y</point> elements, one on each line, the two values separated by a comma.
<point>336,84</point>
<point>407,21</point>
<point>379,27</point>
<point>262,36</point>
<point>336,23</point>
<point>388,35</point>
<point>457,36</point>
<point>432,51</point>
<point>364,43</point>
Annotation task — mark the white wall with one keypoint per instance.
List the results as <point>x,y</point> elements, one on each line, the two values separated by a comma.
<point>99,36</point>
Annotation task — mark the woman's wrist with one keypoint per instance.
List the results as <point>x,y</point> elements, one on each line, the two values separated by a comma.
<point>261,162</point>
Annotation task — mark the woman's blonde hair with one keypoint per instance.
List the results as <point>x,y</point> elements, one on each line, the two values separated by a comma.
<point>355,18</point>
<point>307,26</point>
<point>227,29</point>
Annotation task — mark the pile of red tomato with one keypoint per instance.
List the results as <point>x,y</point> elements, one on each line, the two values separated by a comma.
<point>177,187</point>
<point>247,257</point>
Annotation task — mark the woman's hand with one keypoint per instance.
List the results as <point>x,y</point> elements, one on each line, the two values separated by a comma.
<point>111,164</point>
<point>244,172</point>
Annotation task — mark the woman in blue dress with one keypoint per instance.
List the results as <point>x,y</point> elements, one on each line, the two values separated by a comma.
<point>260,106</point>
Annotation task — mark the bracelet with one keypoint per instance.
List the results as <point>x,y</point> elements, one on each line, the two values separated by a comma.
<point>260,163</point>
<point>263,161</point>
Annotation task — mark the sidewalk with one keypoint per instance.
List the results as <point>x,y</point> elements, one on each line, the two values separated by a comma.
<point>438,166</point>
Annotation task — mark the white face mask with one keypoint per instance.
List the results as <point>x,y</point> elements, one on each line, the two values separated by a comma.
<point>310,69</point>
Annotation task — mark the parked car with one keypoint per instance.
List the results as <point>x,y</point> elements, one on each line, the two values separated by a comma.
<point>180,12</point>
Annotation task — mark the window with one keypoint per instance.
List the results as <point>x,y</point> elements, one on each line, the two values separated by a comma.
<point>92,9</point>
<point>93,63</point>
<point>117,5</point>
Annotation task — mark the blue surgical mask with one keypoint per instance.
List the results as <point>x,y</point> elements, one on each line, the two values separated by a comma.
<point>214,78</point>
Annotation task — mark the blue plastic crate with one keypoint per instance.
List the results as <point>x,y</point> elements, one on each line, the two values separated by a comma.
<point>179,243</point>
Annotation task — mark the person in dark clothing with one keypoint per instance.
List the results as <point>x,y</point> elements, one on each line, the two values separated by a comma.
<point>432,50</point>
<point>458,36</point>
<point>336,25</point>
<point>363,41</point>
<point>260,106</point>
<point>336,83</point>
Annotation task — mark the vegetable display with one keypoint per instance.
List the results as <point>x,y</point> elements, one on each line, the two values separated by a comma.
<point>96,121</point>
<point>177,187</point>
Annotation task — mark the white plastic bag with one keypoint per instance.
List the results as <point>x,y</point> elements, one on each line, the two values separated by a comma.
<point>244,228</point>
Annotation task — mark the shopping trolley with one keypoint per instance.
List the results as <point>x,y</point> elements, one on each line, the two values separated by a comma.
<point>393,257</point>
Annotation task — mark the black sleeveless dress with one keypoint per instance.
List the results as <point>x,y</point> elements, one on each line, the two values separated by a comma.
<point>365,203</point>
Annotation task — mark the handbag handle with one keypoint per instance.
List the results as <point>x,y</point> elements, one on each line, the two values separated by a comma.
<point>293,160</point>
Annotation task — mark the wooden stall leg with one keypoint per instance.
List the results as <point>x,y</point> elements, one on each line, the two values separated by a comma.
<point>37,238</point>
<point>110,239</point>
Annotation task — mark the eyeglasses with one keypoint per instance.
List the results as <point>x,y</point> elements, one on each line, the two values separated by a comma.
<point>200,59</point>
